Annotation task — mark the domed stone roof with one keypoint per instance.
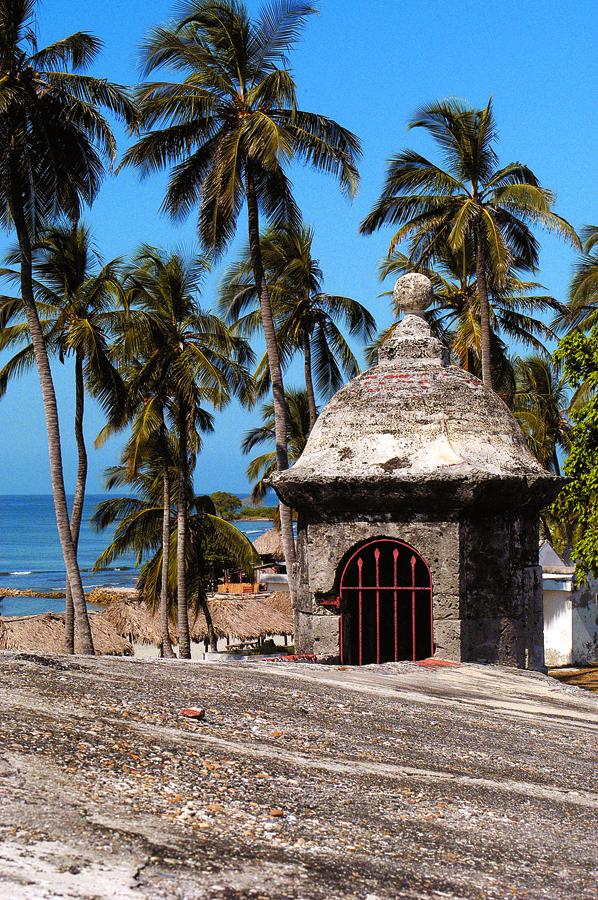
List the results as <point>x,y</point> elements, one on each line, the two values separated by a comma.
<point>411,421</point>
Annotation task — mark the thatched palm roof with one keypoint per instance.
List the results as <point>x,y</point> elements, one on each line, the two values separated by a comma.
<point>46,634</point>
<point>244,618</point>
<point>270,544</point>
<point>135,622</point>
<point>233,616</point>
<point>281,601</point>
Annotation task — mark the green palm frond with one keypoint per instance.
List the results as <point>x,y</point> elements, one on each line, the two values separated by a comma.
<point>233,111</point>
<point>468,206</point>
<point>262,466</point>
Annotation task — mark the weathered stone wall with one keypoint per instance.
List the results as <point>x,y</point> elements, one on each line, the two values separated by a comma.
<point>487,585</point>
<point>322,549</point>
<point>501,590</point>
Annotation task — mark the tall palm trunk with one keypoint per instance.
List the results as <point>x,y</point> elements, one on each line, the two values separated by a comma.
<point>181,541</point>
<point>69,552</point>
<point>480,267</point>
<point>212,639</point>
<point>278,398</point>
<point>555,463</point>
<point>167,650</point>
<point>79,498</point>
<point>309,381</point>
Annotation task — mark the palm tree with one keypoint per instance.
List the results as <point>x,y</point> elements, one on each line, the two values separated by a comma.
<point>305,317</point>
<point>185,358</point>
<point>228,130</point>
<point>298,424</point>
<point>541,406</point>
<point>472,199</point>
<point>75,296</point>
<point>582,308</point>
<point>154,451</point>
<point>139,523</point>
<point>454,312</point>
<point>54,144</point>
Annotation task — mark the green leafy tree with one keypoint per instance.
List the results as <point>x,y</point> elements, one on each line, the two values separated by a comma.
<point>228,131</point>
<point>576,503</point>
<point>307,319</point>
<point>54,146</point>
<point>471,199</point>
<point>75,295</point>
<point>227,505</point>
<point>263,466</point>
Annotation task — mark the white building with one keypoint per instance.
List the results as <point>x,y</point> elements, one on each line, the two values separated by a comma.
<point>570,613</point>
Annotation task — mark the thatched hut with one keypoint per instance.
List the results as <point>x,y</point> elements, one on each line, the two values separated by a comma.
<point>269,546</point>
<point>132,619</point>
<point>236,618</point>
<point>244,619</point>
<point>46,634</point>
<point>281,601</point>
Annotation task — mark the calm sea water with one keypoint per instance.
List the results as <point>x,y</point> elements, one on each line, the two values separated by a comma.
<point>30,556</point>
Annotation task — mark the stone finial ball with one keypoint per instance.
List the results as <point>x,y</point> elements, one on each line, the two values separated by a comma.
<point>413,293</point>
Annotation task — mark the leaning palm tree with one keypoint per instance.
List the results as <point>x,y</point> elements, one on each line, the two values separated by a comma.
<point>185,359</point>
<point>75,296</point>
<point>54,145</point>
<point>471,199</point>
<point>261,468</point>
<point>515,308</point>
<point>228,131</point>
<point>306,318</point>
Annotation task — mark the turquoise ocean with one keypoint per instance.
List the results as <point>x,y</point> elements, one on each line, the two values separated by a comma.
<point>30,556</point>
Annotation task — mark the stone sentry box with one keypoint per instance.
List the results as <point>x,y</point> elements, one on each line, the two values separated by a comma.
<point>418,450</point>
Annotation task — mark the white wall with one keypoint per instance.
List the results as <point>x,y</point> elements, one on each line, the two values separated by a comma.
<point>558,631</point>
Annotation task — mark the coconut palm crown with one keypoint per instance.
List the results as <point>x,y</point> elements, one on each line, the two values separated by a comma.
<point>516,308</point>
<point>179,360</point>
<point>581,310</point>
<point>262,467</point>
<point>308,320</point>
<point>471,198</point>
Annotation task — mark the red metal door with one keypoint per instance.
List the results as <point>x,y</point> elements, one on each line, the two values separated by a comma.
<point>385,604</point>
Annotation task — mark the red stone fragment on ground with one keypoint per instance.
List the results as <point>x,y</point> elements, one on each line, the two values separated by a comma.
<point>436,663</point>
<point>193,712</point>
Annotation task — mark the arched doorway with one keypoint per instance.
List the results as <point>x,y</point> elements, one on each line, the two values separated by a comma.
<point>385,604</point>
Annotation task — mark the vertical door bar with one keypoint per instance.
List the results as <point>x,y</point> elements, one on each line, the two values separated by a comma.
<point>431,625</point>
<point>360,599</point>
<point>340,628</point>
<point>413,647</point>
<point>395,557</point>
<point>377,559</point>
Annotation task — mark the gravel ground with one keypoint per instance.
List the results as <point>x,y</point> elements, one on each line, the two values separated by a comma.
<point>303,781</point>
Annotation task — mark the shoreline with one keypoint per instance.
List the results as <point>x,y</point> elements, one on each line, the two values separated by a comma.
<point>96,595</point>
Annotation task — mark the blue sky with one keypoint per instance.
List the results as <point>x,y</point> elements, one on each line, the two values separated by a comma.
<point>369,65</point>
